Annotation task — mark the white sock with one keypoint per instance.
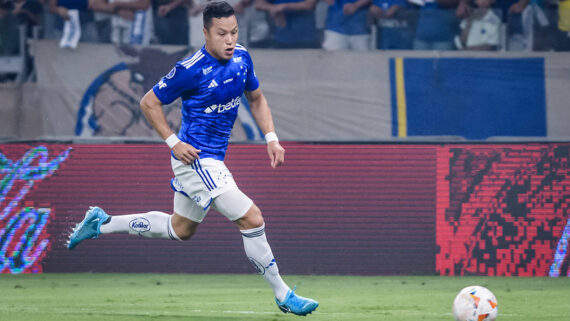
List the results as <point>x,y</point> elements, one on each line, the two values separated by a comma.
<point>259,253</point>
<point>152,224</point>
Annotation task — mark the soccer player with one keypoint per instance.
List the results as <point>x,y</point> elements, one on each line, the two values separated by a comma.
<point>210,84</point>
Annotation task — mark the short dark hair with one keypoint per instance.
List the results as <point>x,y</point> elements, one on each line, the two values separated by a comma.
<point>217,9</point>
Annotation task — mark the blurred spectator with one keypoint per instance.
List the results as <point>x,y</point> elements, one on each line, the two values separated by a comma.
<point>542,25</point>
<point>346,25</point>
<point>293,21</point>
<point>29,13</point>
<point>254,29</point>
<point>170,22</point>
<point>51,21</point>
<point>437,25</point>
<point>9,33</point>
<point>562,36</point>
<point>131,22</point>
<point>102,20</point>
<point>522,18</point>
<point>396,23</point>
<point>79,20</point>
<point>196,23</point>
<point>9,37</point>
<point>519,24</point>
<point>481,30</point>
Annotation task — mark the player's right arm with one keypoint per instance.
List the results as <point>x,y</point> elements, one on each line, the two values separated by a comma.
<point>181,79</point>
<point>151,107</point>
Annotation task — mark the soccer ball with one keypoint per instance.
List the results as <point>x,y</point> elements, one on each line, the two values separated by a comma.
<point>475,303</point>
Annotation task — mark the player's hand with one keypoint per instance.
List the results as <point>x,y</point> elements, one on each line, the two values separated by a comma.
<point>63,13</point>
<point>239,8</point>
<point>518,7</point>
<point>276,153</point>
<point>276,9</point>
<point>349,9</point>
<point>463,10</point>
<point>163,10</point>
<point>185,153</point>
<point>280,20</point>
<point>126,14</point>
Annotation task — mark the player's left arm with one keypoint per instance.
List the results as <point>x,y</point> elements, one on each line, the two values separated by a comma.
<point>262,114</point>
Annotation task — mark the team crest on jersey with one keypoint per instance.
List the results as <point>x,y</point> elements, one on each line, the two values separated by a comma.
<point>171,73</point>
<point>237,59</point>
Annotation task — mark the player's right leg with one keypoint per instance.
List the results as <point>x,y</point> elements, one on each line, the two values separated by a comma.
<point>180,226</point>
<point>240,209</point>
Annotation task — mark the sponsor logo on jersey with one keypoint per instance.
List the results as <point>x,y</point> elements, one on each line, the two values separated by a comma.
<point>140,224</point>
<point>228,80</point>
<point>161,84</point>
<point>237,59</point>
<point>224,107</point>
<point>207,70</point>
<point>213,84</point>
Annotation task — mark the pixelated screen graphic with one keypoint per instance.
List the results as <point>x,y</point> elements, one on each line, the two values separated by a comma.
<point>361,209</point>
<point>503,210</point>
<point>24,239</point>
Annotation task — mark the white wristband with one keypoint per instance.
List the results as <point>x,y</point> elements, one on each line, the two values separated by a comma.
<point>172,140</point>
<point>271,137</point>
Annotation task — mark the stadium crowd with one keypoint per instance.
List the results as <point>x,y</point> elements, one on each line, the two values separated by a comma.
<point>514,25</point>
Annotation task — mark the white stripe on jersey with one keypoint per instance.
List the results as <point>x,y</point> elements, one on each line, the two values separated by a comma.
<point>196,55</point>
<point>240,47</point>
<point>190,59</point>
<point>190,62</point>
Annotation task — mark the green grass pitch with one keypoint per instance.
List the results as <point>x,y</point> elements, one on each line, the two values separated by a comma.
<point>61,297</point>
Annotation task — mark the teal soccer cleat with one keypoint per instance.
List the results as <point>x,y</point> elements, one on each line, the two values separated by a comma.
<point>89,228</point>
<point>297,304</point>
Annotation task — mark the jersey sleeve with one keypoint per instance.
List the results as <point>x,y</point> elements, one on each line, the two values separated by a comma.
<point>251,82</point>
<point>176,82</point>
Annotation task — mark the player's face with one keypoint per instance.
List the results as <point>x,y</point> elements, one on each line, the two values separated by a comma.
<point>221,37</point>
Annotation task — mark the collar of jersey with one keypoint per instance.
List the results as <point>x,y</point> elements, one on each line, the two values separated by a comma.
<point>210,57</point>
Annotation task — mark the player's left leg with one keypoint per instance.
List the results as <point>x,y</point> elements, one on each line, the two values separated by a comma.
<point>240,209</point>
<point>180,226</point>
<point>152,224</point>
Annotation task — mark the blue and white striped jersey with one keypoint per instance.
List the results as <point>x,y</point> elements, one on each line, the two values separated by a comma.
<point>211,92</point>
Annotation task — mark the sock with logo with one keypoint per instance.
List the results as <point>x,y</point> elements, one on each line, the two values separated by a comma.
<point>259,254</point>
<point>152,224</point>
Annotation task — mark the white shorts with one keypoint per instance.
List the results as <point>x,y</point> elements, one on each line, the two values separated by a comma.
<point>203,183</point>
